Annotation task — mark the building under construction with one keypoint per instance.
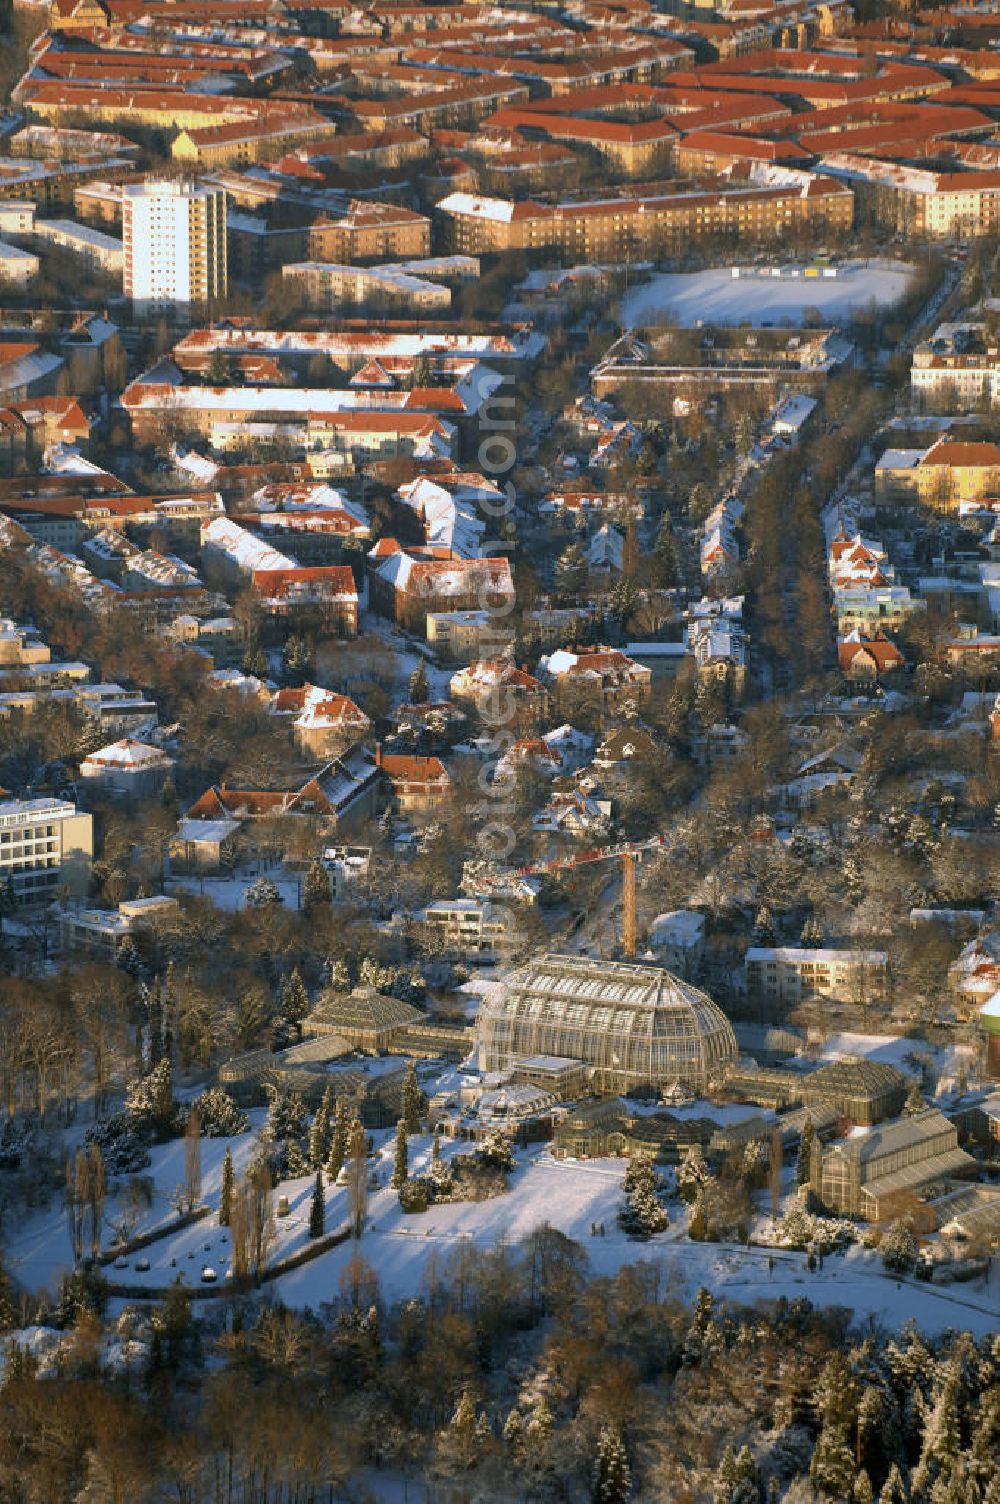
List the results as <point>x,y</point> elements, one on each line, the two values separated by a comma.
<point>628,1025</point>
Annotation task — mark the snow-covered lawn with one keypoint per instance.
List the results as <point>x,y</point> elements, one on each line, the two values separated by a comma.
<point>715,296</point>
<point>229,892</point>
<point>37,1252</point>
<point>569,1195</point>
<point>405,660</point>
<point>574,1196</point>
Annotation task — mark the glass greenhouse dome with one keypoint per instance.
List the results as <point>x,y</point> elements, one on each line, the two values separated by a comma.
<point>632,1025</point>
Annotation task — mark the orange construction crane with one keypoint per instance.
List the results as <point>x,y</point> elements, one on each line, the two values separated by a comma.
<point>629,854</point>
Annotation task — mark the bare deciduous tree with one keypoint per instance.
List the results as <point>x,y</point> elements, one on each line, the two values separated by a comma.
<point>96,1194</point>
<point>192,1161</point>
<point>357,1176</point>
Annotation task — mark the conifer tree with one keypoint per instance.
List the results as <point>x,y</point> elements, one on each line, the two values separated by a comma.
<point>294,1001</point>
<point>539,1426</point>
<point>837,1394</point>
<point>914,1100</point>
<point>513,1433</point>
<point>413,1100</point>
<point>340,976</point>
<point>357,1181</point>
<point>226,1193</point>
<point>321,1130</point>
<point>571,571</point>
<point>338,1141</point>
<point>419,687</point>
<point>642,1214</point>
<point>763,926</point>
<point>698,1223</point>
<point>612,1477</point>
<point>863,1493</point>
<point>832,1468</point>
<point>692,1174</point>
<point>803,1161</point>
<point>630,551</point>
<point>317,1208</point>
<point>400,1171</point>
<point>747,1490</point>
<point>898,1248</point>
<point>463,1429</point>
<point>155,1033</point>
<point>665,556</point>
<point>894,1488</point>
<point>812,934</point>
<point>942,1439</point>
<point>169,1010</point>
<point>725,1478</point>
<point>316,891</point>
<point>6,1302</point>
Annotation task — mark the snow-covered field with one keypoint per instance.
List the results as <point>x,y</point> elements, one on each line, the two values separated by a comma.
<point>573,1196</point>
<point>715,296</point>
<point>580,1198</point>
<point>37,1251</point>
<point>230,892</point>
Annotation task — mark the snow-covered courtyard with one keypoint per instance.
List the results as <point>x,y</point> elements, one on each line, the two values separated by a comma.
<point>715,296</point>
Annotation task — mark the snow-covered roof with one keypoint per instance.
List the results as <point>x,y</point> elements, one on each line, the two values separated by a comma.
<point>126,754</point>
<point>247,552</point>
<point>683,927</point>
<point>500,210</point>
<point>214,832</point>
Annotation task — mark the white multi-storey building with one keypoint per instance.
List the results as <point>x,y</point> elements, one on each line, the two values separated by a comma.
<point>175,243</point>
<point>45,844</point>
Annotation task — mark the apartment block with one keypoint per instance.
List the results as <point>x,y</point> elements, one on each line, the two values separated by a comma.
<point>326,285</point>
<point>466,927</point>
<point>45,845</point>
<point>789,974</point>
<point>919,201</point>
<point>620,228</point>
<point>944,476</point>
<point>175,244</point>
<point>103,932</point>
<point>367,230</point>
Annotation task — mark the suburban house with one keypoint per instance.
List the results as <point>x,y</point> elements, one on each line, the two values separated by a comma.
<point>945,475</point>
<point>600,676</point>
<point>502,693</point>
<point>864,657</point>
<point>343,795</point>
<point>406,585</point>
<point>324,723</point>
<point>418,785</point>
<point>677,940</point>
<point>128,768</point>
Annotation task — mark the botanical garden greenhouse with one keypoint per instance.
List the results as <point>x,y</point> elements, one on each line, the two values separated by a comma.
<point>630,1025</point>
